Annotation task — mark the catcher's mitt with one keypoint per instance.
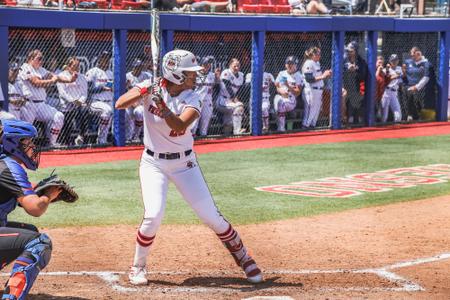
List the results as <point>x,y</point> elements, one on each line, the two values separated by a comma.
<point>67,193</point>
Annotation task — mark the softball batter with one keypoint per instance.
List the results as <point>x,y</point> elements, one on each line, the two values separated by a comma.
<point>169,112</point>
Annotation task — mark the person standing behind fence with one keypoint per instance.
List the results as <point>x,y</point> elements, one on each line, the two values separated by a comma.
<point>100,80</point>
<point>289,85</point>
<point>390,95</point>
<point>74,96</point>
<point>314,84</point>
<point>135,113</point>
<point>229,104</point>
<point>206,80</point>
<point>416,74</point>
<point>355,70</point>
<point>35,80</point>
<point>18,104</point>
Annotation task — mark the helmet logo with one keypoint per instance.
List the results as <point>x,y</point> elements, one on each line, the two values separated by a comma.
<point>172,62</point>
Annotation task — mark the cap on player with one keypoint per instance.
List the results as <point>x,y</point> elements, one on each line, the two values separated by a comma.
<point>137,63</point>
<point>207,60</point>
<point>291,60</point>
<point>352,46</point>
<point>14,66</point>
<point>393,57</point>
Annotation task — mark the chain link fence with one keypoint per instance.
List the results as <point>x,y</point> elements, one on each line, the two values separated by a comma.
<point>289,60</point>
<point>61,81</point>
<point>412,57</point>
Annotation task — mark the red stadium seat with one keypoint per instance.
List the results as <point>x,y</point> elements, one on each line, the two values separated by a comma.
<point>104,4</point>
<point>250,8</point>
<point>123,4</point>
<point>11,2</point>
<point>266,8</point>
<point>282,9</point>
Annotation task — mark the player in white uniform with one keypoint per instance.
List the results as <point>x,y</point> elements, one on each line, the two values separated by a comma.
<point>390,95</point>
<point>289,86</point>
<point>206,80</point>
<point>100,79</point>
<point>4,115</point>
<point>135,114</point>
<point>168,116</point>
<point>314,84</point>
<point>18,104</point>
<point>228,103</point>
<point>35,80</point>
<point>73,97</point>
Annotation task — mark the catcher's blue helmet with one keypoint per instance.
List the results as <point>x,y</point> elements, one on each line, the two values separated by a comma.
<point>14,132</point>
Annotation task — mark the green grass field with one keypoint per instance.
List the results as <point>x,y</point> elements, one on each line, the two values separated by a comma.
<point>110,194</point>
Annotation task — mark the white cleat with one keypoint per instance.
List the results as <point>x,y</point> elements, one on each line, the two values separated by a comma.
<point>138,276</point>
<point>253,273</point>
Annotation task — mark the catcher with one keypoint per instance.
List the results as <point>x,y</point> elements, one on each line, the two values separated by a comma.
<point>19,242</point>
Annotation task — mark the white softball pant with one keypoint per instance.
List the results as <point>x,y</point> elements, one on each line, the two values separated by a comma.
<point>43,112</point>
<point>134,117</point>
<point>155,175</point>
<point>104,111</point>
<point>312,99</point>
<point>390,100</point>
<point>282,106</point>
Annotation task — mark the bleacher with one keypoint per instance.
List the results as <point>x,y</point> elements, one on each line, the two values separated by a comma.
<point>264,6</point>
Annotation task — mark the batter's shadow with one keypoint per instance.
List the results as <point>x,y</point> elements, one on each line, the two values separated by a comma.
<point>232,283</point>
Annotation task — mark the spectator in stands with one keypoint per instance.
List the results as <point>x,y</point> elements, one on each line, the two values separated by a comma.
<point>416,76</point>
<point>312,7</point>
<point>100,82</point>
<point>228,103</point>
<point>205,83</point>
<point>134,115</point>
<point>191,5</point>
<point>74,96</point>
<point>289,85</point>
<point>35,80</point>
<point>354,75</point>
<point>18,104</point>
<point>314,86</point>
<point>30,2</point>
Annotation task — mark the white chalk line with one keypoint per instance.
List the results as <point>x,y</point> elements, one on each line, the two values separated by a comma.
<point>112,278</point>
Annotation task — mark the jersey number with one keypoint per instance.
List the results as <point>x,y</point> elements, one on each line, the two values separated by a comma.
<point>174,133</point>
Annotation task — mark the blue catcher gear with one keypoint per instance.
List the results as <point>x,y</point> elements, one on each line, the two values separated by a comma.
<point>14,132</point>
<point>27,266</point>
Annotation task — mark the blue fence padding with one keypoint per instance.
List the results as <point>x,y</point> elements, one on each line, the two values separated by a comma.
<point>421,25</point>
<point>4,62</point>
<point>371,82</point>
<point>368,23</point>
<point>337,65</point>
<point>442,100</point>
<point>257,79</point>
<point>120,55</point>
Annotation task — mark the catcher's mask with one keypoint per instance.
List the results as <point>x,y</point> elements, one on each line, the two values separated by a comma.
<point>17,140</point>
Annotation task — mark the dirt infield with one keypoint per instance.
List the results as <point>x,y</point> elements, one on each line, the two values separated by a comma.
<point>353,254</point>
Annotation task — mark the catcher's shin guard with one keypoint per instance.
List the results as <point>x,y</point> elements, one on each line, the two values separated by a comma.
<point>27,266</point>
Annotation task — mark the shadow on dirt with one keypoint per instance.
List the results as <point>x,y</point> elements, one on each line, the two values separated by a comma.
<point>50,297</point>
<point>232,283</point>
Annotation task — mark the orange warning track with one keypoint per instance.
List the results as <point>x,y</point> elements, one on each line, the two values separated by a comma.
<point>89,156</point>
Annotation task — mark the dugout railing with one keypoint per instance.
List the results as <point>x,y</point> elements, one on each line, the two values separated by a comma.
<point>261,43</point>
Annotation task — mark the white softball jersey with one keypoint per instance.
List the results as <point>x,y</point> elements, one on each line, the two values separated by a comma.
<point>15,90</point>
<point>267,80</point>
<point>158,136</point>
<point>237,80</point>
<point>30,91</point>
<point>134,80</point>
<point>292,80</point>
<point>101,78</point>
<point>312,67</point>
<point>395,83</point>
<point>77,90</point>
<point>204,86</point>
